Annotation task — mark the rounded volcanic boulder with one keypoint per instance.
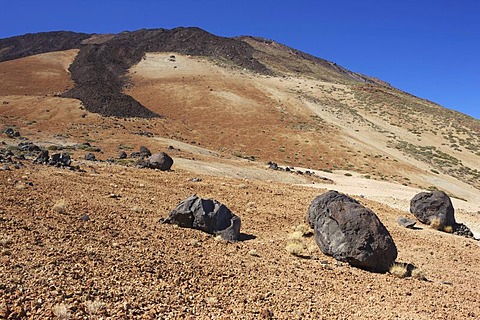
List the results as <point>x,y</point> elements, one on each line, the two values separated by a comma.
<point>430,206</point>
<point>352,233</point>
<point>319,204</point>
<point>161,161</point>
<point>207,215</point>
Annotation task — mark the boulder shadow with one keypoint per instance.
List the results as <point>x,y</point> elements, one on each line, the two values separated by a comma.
<point>246,237</point>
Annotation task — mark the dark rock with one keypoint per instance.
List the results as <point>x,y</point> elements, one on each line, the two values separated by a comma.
<point>428,206</point>
<point>319,205</point>
<point>195,179</point>
<point>5,168</point>
<point>207,215</point>
<point>161,161</point>
<point>171,148</point>
<point>42,158</point>
<point>28,146</point>
<point>111,160</point>
<point>11,133</point>
<point>85,217</point>
<point>144,152</point>
<point>142,164</point>
<point>352,233</point>
<point>122,155</point>
<point>272,165</point>
<point>135,154</point>
<point>462,230</point>
<point>90,157</point>
<point>407,223</point>
<point>60,160</point>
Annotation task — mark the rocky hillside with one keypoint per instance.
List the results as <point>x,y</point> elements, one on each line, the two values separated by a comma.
<point>258,126</point>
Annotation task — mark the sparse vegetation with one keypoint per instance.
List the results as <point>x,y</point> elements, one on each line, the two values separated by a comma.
<point>399,270</point>
<point>60,206</point>
<point>61,311</point>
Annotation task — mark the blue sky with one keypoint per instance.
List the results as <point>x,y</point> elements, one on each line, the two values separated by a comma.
<point>430,48</point>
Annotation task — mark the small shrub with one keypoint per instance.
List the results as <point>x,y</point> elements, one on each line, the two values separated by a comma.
<point>295,247</point>
<point>60,206</point>
<point>418,274</point>
<point>304,229</point>
<point>448,229</point>
<point>399,270</point>
<point>296,235</point>
<point>436,223</point>
<point>61,311</point>
<point>93,307</point>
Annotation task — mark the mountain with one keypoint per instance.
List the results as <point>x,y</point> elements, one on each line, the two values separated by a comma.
<point>223,108</point>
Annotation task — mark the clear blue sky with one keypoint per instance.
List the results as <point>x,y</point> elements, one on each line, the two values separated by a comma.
<point>430,48</point>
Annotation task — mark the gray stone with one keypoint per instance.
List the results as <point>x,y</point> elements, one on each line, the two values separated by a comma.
<point>405,222</point>
<point>161,161</point>
<point>207,215</point>
<point>352,233</point>
<point>427,206</point>
<point>90,157</point>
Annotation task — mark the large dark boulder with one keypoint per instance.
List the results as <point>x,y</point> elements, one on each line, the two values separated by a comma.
<point>319,204</point>
<point>42,158</point>
<point>161,161</point>
<point>352,233</point>
<point>430,206</point>
<point>207,215</point>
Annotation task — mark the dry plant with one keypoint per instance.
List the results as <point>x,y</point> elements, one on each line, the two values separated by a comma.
<point>436,223</point>
<point>419,274</point>
<point>399,270</point>
<point>295,247</point>
<point>60,206</point>
<point>61,311</point>
<point>304,229</point>
<point>93,307</point>
<point>448,229</point>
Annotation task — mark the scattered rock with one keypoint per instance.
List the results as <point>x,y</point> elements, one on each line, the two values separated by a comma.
<point>60,160</point>
<point>460,229</point>
<point>122,155</point>
<point>11,133</point>
<point>161,161</point>
<point>144,152</point>
<point>272,165</point>
<point>352,233</point>
<point>430,206</point>
<point>85,217</point>
<point>5,168</point>
<point>195,179</point>
<point>90,157</point>
<point>207,215</point>
<point>405,222</point>
<point>42,158</point>
<point>28,146</point>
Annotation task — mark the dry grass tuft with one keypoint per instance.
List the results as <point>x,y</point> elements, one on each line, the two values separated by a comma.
<point>297,235</point>
<point>61,311</point>
<point>304,229</point>
<point>93,307</point>
<point>399,270</point>
<point>436,223</point>
<point>448,229</point>
<point>419,274</point>
<point>60,206</point>
<point>295,247</point>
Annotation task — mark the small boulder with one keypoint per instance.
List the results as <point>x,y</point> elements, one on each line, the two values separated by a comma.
<point>90,157</point>
<point>144,152</point>
<point>430,206</point>
<point>161,161</point>
<point>122,155</point>
<point>42,158</point>
<point>352,233</point>
<point>207,215</point>
<point>406,223</point>
<point>60,160</point>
